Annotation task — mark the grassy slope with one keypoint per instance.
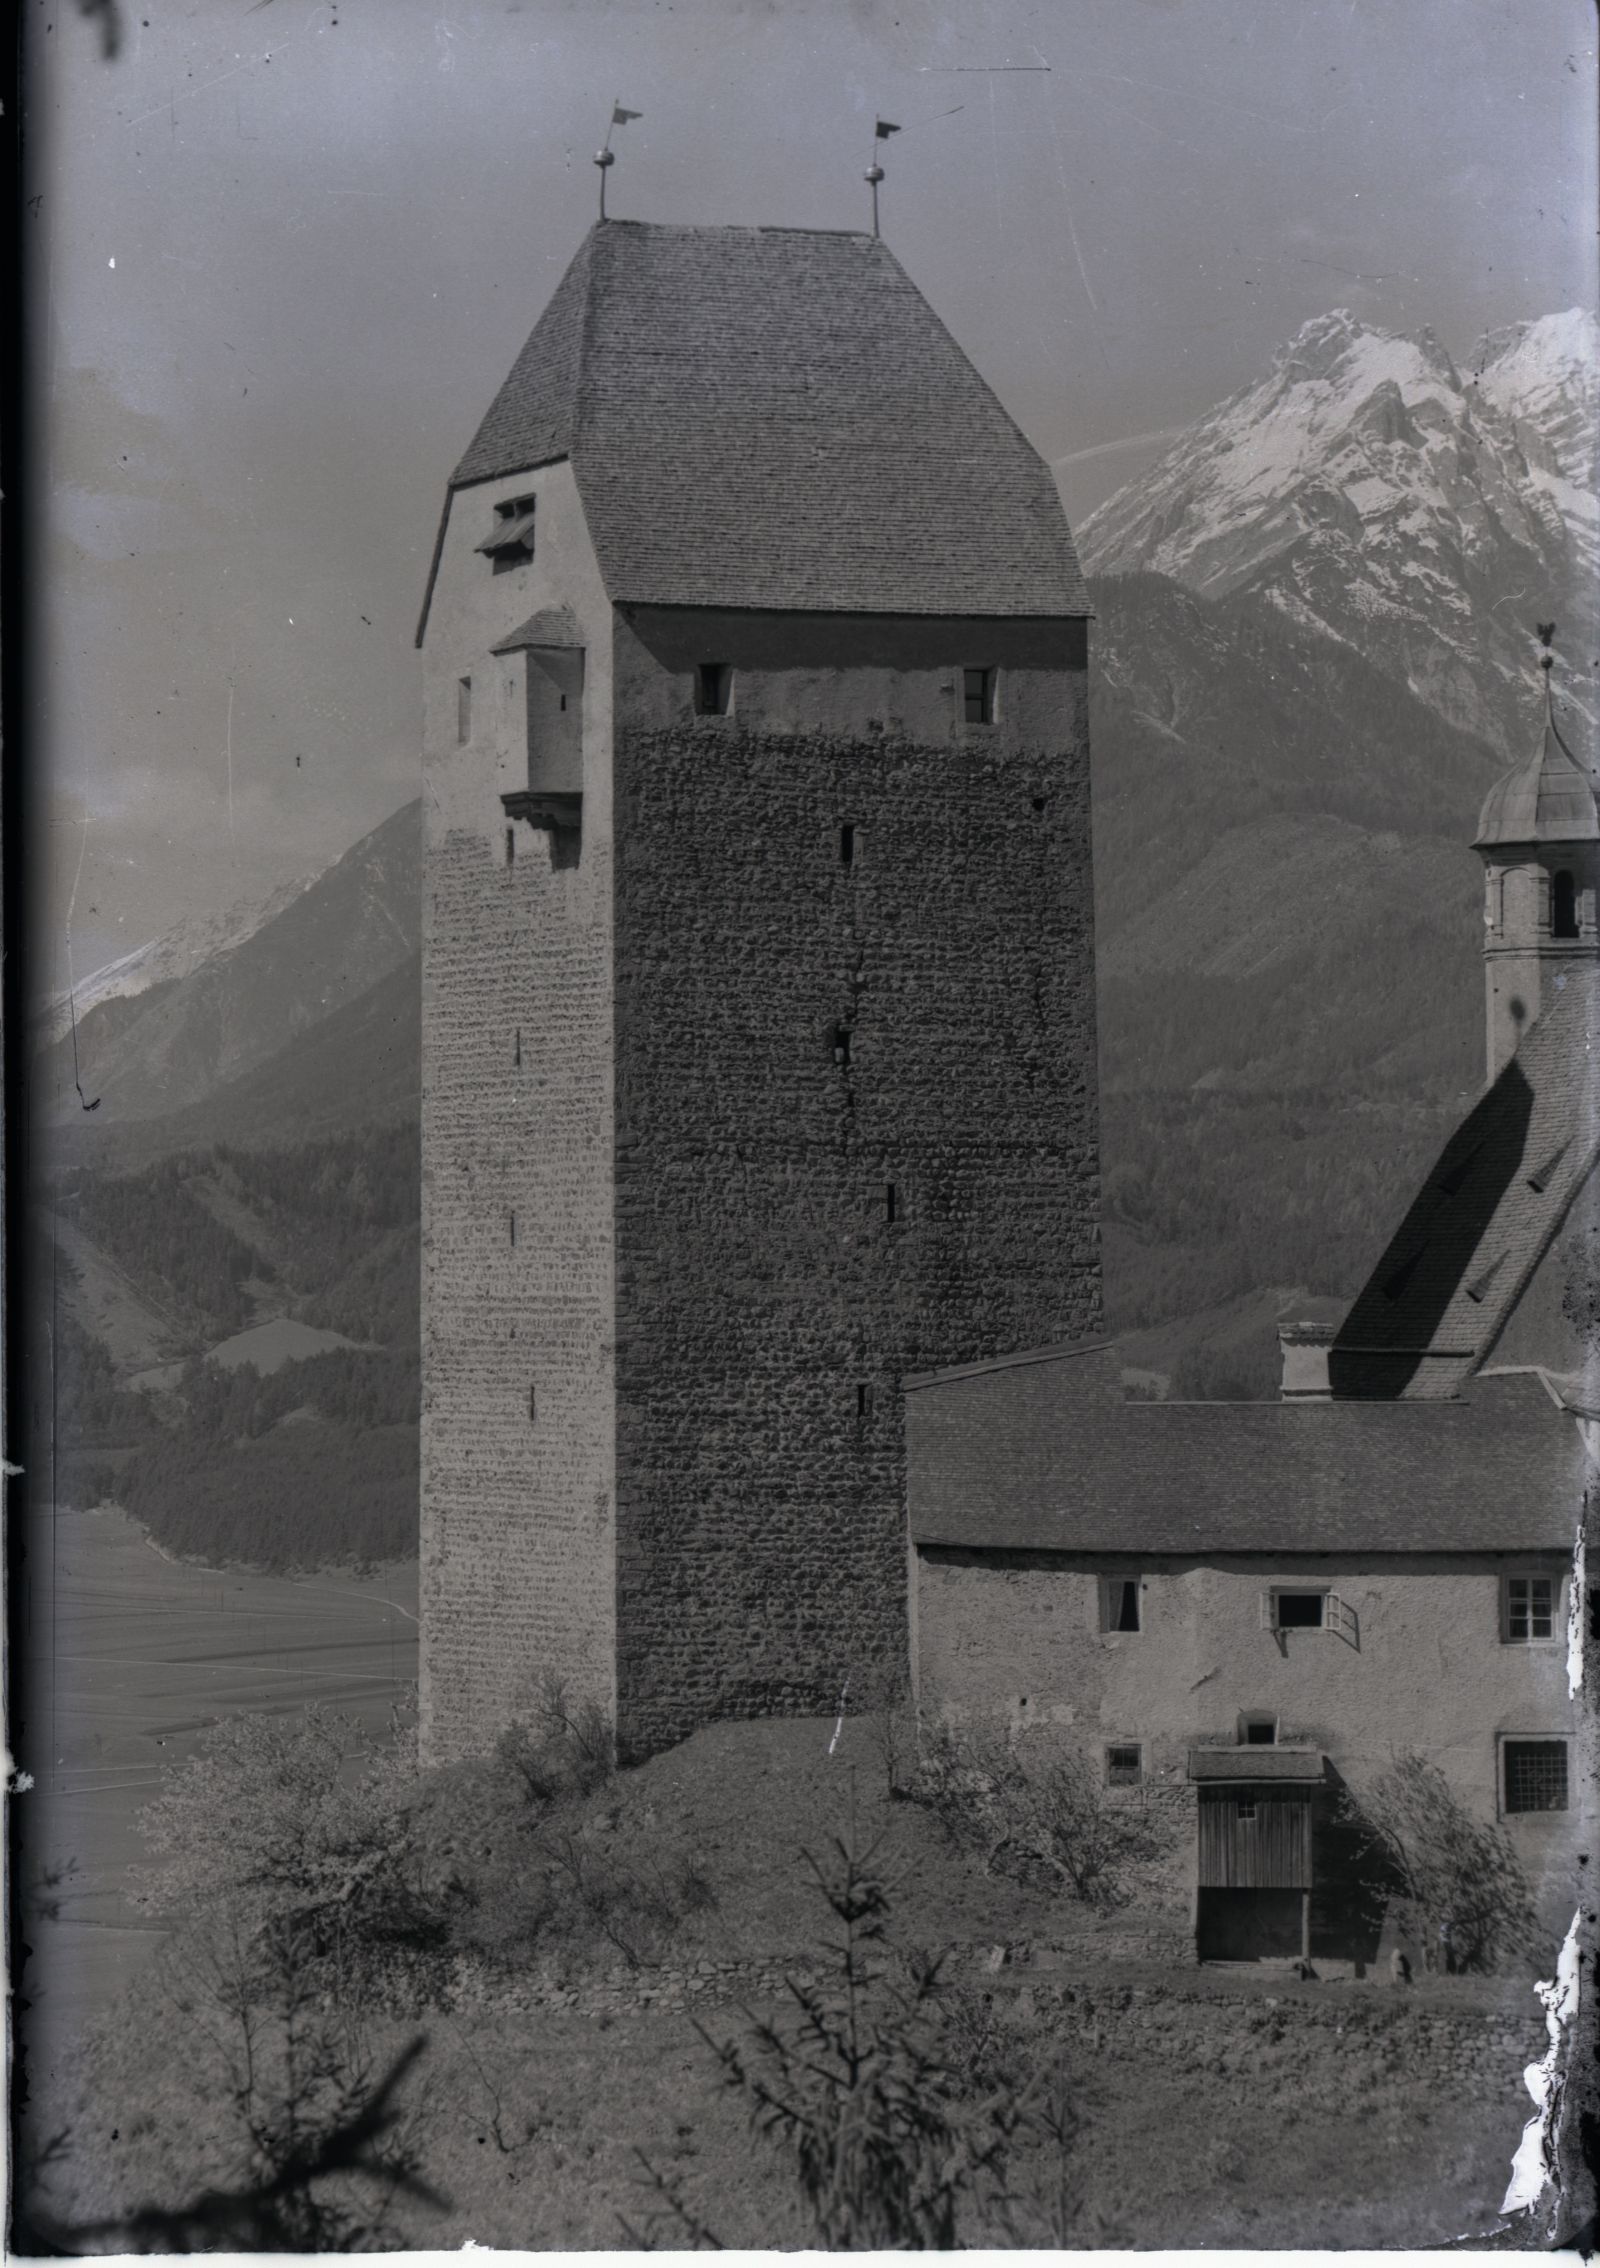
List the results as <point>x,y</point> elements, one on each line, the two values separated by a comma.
<point>1215,2115</point>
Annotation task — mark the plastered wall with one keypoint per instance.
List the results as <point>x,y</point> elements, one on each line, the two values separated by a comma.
<point>767,1302</point>
<point>1015,1638</point>
<point>518,1411</point>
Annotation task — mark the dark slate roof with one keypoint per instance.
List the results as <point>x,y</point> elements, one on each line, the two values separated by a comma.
<point>1016,1460</point>
<point>1472,1238</point>
<point>776,418</point>
<point>551,626</point>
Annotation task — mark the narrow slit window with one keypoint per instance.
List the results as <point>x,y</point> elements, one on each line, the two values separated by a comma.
<point>712,684</point>
<point>513,1218</point>
<point>1119,1602</point>
<point>863,1401</point>
<point>841,1046</point>
<point>516,1050</point>
<point>511,846</point>
<point>890,1201</point>
<point>1124,1765</point>
<point>463,711</point>
<point>533,1405</point>
<point>977,693</point>
<point>1563,904</point>
<point>847,845</point>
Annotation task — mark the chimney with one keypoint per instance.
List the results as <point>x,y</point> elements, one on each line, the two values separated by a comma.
<point>1304,1351</point>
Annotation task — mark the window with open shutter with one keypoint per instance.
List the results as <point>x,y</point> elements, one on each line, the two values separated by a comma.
<point>1339,1616</point>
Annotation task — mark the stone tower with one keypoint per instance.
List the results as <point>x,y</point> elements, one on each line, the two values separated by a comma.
<point>758,1020</point>
<point>1539,839</point>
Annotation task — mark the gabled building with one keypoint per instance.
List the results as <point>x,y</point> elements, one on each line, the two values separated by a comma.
<point>1244,1612</point>
<point>758,1023</point>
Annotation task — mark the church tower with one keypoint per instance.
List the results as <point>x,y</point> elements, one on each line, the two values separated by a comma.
<point>1539,839</point>
<point>758,1009</point>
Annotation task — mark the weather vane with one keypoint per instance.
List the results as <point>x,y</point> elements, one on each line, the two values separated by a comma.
<point>605,156</point>
<point>881,130</point>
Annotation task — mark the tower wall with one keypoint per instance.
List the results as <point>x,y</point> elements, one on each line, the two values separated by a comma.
<point>767,1304</point>
<point>1525,963</point>
<point>517,1510</point>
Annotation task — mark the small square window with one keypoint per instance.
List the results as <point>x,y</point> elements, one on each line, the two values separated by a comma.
<point>713,683</point>
<point>1124,1765</point>
<point>1530,1609</point>
<point>977,692</point>
<point>1299,1610</point>
<point>1258,1732</point>
<point>1536,1775</point>
<point>1119,1602</point>
<point>1246,1807</point>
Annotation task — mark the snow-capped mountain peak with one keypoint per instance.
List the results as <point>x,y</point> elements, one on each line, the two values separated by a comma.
<point>1371,490</point>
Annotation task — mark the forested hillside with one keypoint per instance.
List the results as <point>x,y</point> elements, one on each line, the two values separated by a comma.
<point>312,1464</point>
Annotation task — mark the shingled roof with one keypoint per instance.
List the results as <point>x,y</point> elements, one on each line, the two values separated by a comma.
<point>1502,1187</point>
<point>1013,1459</point>
<point>776,418</point>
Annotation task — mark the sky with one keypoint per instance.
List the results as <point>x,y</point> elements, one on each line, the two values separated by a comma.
<point>284,251</point>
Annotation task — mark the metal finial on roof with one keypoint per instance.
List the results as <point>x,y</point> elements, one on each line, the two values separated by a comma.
<point>605,156</point>
<point>881,130</point>
<point>1547,661</point>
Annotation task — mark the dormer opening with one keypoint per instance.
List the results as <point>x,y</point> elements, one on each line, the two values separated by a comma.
<point>1563,903</point>
<point>509,542</point>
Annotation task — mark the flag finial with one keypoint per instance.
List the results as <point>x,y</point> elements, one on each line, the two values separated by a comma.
<point>881,130</point>
<point>605,156</point>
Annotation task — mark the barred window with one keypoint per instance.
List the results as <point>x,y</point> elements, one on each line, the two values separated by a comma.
<point>1124,1765</point>
<point>1530,1609</point>
<point>1536,1775</point>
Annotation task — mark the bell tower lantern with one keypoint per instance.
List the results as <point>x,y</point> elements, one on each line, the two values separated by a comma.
<point>1539,839</point>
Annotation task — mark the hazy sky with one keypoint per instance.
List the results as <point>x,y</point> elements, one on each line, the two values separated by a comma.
<point>287,250</point>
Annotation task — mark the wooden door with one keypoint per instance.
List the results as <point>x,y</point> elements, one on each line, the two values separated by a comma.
<point>1255,1838</point>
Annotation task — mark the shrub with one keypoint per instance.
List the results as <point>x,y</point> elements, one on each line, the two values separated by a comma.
<point>1455,1879</point>
<point>1034,1809</point>
<point>855,2091</point>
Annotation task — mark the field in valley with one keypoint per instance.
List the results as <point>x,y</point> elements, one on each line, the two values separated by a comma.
<point>128,1657</point>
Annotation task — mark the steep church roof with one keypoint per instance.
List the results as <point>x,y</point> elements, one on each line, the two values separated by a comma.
<point>1503,1186</point>
<point>1548,799</point>
<point>776,418</point>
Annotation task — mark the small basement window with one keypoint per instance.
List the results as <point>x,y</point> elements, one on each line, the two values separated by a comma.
<point>1119,1602</point>
<point>1530,1609</point>
<point>713,685</point>
<point>977,691</point>
<point>1535,1775</point>
<point>1124,1765</point>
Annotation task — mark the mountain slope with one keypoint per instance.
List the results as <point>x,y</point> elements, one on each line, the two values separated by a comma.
<point>170,1047</point>
<point>178,952</point>
<point>1368,490</point>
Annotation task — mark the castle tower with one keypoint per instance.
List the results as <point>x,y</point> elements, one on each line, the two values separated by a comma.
<point>1539,839</point>
<point>758,1020</point>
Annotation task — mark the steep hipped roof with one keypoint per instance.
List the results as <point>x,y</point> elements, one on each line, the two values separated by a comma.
<point>776,418</point>
<point>1503,1186</point>
<point>1014,1460</point>
<point>1548,799</point>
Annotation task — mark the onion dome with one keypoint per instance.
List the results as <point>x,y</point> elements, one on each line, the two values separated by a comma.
<point>1548,799</point>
